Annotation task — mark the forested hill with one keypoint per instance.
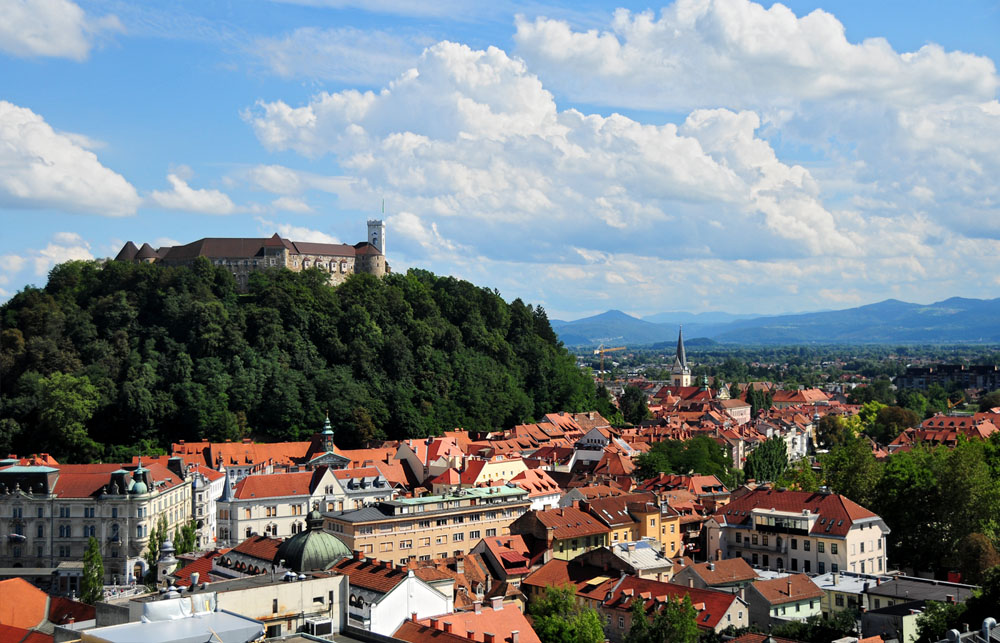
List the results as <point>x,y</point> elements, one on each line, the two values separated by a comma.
<point>110,358</point>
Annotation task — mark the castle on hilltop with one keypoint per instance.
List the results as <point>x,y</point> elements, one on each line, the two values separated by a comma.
<point>243,256</point>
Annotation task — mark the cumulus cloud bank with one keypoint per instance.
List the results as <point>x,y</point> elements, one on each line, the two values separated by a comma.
<point>50,28</point>
<point>43,168</point>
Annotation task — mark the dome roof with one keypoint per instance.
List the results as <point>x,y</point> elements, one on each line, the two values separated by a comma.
<point>314,548</point>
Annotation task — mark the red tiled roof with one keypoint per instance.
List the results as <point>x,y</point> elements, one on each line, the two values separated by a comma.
<point>11,634</point>
<point>836,513</point>
<point>88,480</point>
<point>371,574</point>
<point>276,485</point>
<point>21,603</point>
<point>472,625</point>
<point>202,565</point>
<point>570,522</point>
<point>536,482</point>
<point>711,604</point>
<point>788,589</point>
<point>61,609</point>
<point>262,547</point>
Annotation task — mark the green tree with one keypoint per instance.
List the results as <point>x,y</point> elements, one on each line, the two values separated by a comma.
<point>92,583</point>
<point>851,470</point>
<point>976,554</point>
<point>156,537</point>
<point>558,618</point>
<point>817,629</point>
<point>989,401</point>
<point>936,619</point>
<point>67,403</point>
<point>800,476</point>
<point>633,405</point>
<point>831,431</point>
<point>676,622</point>
<point>890,421</point>
<point>768,460</point>
<point>185,536</point>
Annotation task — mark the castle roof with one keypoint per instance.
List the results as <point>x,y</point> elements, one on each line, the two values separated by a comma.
<point>127,253</point>
<point>147,252</point>
<point>241,247</point>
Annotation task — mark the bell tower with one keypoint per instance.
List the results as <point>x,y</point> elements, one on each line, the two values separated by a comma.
<point>376,234</point>
<point>680,374</point>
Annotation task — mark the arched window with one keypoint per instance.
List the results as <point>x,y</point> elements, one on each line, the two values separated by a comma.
<point>353,601</point>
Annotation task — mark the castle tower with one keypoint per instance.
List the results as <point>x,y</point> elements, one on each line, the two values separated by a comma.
<point>376,234</point>
<point>326,437</point>
<point>680,374</point>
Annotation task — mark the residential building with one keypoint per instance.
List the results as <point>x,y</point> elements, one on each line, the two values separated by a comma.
<point>799,531</point>
<point>847,591</point>
<point>508,558</point>
<point>567,532</point>
<point>639,558</point>
<point>207,486</point>
<point>730,574</point>
<point>542,490</point>
<point>493,623</point>
<point>358,487</point>
<point>779,600</point>
<point>273,504</point>
<point>429,527</point>
<point>430,457</point>
<point>382,595</point>
<point>50,512</point>
<point>485,471</point>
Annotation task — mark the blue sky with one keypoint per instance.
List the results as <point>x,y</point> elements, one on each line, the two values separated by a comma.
<point>693,155</point>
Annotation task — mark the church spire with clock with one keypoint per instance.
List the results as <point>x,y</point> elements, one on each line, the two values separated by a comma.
<point>680,373</point>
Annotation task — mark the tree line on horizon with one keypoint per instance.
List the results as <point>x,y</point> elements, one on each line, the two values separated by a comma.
<point>115,359</point>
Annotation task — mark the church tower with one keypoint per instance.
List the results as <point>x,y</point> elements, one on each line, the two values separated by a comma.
<point>376,234</point>
<point>680,374</point>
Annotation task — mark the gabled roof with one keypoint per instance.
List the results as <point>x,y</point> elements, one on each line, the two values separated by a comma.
<point>536,482</point>
<point>711,605</point>
<point>722,572</point>
<point>277,485</point>
<point>614,511</point>
<point>371,573</point>
<point>789,589</point>
<point>570,522</point>
<point>22,604</point>
<point>615,464</point>
<point>262,547</point>
<point>471,626</point>
<point>836,513</point>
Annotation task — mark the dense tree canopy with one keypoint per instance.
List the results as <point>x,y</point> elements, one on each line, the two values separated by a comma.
<point>109,355</point>
<point>768,461</point>
<point>701,454</point>
<point>557,617</point>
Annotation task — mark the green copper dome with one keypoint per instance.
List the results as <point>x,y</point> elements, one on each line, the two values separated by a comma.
<point>312,549</point>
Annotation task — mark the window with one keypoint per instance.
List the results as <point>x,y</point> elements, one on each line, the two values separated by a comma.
<point>795,564</point>
<point>822,567</point>
<point>385,547</point>
<point>114,512</point>
<point>491,532</point>
<point>621,622</point>
<point>63,512</point>
<point>754,560</point>
<point>406,544</point>
<point>806,545</point>
<point>838,600</point>
<point>63,551</point>
<point>246,512</point>
<point>40,515</point>
<point>763,540</point>
<point>442,522</point>
<point>474,535</point>
<point>457,537</point>
<point>806,566</point>
<point>753,538</point>
<point>833,548</point>
<point>739,538</point>
<point>795,543</point>
<point>88,512</point>
<point>766,561</point>
<point>862,567</point>
<point>441,540</point>
<point>821,547</point>
<point>41,531</point>
<point>834,567</point>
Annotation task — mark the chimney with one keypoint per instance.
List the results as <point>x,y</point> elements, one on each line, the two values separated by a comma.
<point>470,634</point>
<point>836,577</point>
<point>515,636</point>
<point>434,624</point>
<point>459,565</point>
<point>497,603</point>
<point>950,598</point>
<point>194,579</point>
<point>788,586</point>
<point>413,616</point>
<point>488,637</point>
<point>711,566</point>
<point>477,607</point>
<point>447,627</point>
<point>359,555</point>
<point>718,554</point>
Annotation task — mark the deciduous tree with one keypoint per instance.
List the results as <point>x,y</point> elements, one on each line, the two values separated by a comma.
<point>92,583</point>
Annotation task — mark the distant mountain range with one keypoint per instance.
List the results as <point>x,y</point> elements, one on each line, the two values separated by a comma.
<point>955,320</point>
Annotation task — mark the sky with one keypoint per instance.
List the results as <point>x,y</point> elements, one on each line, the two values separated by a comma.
<point>689,156</point>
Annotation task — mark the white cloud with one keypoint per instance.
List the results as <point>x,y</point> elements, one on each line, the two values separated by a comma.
<point>295,233</point>
<point>279,179</point>
<point>737,54</point>
<point>65,246</point>
<point>183,197</point>
<point>42,168</point>
<point>53,28</point>
<point>344,54</point>
<point>291,204</point>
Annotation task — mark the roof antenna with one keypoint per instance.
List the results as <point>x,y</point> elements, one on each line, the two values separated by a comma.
<point>383,205</point>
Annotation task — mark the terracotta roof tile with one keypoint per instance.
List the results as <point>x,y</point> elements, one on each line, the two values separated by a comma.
<point>371,573</point>
<point>262,547</point>
<point>788,589</point>
<point>21,603</point>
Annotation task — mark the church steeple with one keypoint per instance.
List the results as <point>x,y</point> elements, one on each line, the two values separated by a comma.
<point>680,373</point>
<point>326,437</point>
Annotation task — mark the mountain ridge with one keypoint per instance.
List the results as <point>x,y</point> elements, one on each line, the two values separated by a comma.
<point>952,320</point>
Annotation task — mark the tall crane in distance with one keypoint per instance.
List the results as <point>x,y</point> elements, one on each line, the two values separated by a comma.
<point>601,350</point>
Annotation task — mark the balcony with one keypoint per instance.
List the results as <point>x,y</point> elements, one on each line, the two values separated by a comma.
<point>770,548</point>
